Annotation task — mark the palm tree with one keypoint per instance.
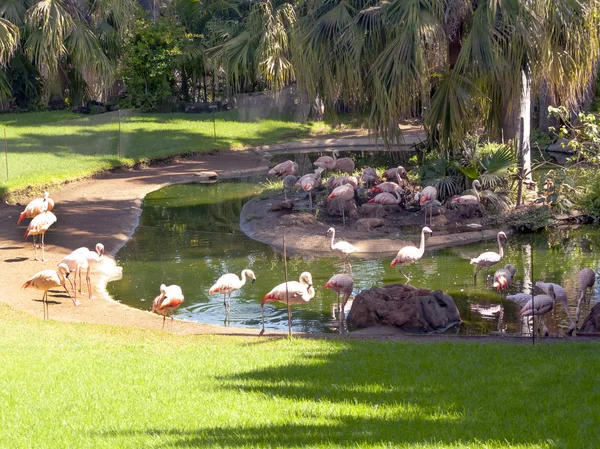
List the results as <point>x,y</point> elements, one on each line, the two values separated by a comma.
<point>72,43</point>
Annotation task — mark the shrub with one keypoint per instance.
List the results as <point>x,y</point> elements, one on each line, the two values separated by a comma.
<point>530,219</point>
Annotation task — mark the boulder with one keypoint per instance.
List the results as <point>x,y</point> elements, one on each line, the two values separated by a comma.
<point>368,224</point>
<point>297,220</point>
<point>591,324</point>
<point>283,205</point>
<point>406,307</point>
<point>335,207</point>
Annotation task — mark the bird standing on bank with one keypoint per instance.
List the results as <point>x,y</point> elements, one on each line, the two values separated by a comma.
<point>38,226</point>
<point>229,283</point>
<point>169,299</point>
<point>45,280</point>
<point>284,169</point>
<point>410,254</point>
<point>92,257</point>
<point>489,258</point>
<point>342,194</point>
<point>342,247</point>
<point>295,292</point>
<point>36,207</point>
<point>76,263</point>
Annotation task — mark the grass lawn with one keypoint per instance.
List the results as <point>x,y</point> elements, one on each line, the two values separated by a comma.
<point>85,386</point>
<point>46,148</point>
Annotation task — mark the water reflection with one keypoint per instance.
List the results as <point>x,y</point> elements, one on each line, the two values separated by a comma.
<point>189,235</point>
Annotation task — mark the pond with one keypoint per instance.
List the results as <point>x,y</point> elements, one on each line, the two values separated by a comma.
<point>189,235</point>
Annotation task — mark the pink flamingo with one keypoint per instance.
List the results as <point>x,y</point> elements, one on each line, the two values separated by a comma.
<point>586,278</point>
<point>38,226</point>
<point>344,248</point>
<point>388,199</point>
<point>333,182</point>
<point>295,292</point>
<point>411,254</point>
<point>369,176</point>
<point>341,283</point>
<point>169,299</point>
<point>342,193</point>
<point>45,280</point>
<point>429,193</point>
<point>541,305</point>
<point>92,257</point>
<point>560,295</point>
<point>345,165</point>
<point>36,207</point>
<point>489,258</point>
<point>468,200</point>
<point>503,278</point>
<point>394,173</point>
<point>283,169</point>
<point>387,187</point>
<point>76,262</point>
<point>327,162</point>
<point>228,283</point>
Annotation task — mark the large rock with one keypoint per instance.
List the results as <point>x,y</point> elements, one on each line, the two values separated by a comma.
<point>591,324</point>
<point>406,307</point>
<point>335,207</point>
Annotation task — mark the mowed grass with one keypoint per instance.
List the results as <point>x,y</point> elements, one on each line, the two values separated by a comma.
<point>86,386</point>
<point>48,148</point>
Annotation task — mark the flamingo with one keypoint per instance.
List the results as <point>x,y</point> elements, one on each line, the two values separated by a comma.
<point>393,173</point>
<point>284,169</point>
<point>468,200</point>
<point>369,176</point>
<point>429,193</point>
<point>586,278</point>
<point>388,199</point>
<point>503,278</point>
<point>288,184</point>
<point>559,294</point>
<point>327,162</point>
<point>343,193</point>
<point>36,207</point>
<point>296,293</point>
<point>344,248</point>
<point>228,283</point>
<point>169,299</point>
<point>489,258</point>
<point>428,208</point>
<point>333,183</point>
<point>341,283</point>
<point>92,257</point>
<point>541,305</point>
<point>387,186</point>
<point>345,165</point>
<point>45,280</point>
<point>410,254</point>
<point>75,262</point>
<point>38,226</point>
<point>519,298</point>
<point>310,183</point>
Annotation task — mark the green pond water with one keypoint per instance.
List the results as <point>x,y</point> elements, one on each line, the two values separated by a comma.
<point>189,235</point>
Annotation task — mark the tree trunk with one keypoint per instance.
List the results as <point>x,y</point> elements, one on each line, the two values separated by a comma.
<point>525,116</point>
<point>204,84</point>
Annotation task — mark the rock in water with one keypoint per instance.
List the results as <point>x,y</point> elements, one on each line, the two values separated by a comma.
<point>406,307</point>
<point>591,324</point>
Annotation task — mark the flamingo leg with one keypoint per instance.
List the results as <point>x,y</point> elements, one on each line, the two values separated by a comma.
<point>349,264</point>
<point>225,300</point>
<point>75,302</point>
<point>88,280</point>
<point>171,323</point>
<point>487,275</point>
<point>310,201</point>
<point>80,283</point>
<point>43,259</point>
<point>476,273</point>
<point>34,249</point>
<point>164,318</point>
<point>262,309</point>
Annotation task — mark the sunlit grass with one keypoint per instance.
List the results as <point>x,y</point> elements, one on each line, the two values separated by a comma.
<point>52,147</point>
<point>78,385</point>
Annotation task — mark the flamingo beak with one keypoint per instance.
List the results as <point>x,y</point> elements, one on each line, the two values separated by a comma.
<point>394,262</point>
<point>253,280</point>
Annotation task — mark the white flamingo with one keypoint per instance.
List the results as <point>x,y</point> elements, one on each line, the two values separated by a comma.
<point>341,284</point>
<point>229,283</point>
<point>540,306</point>
<point>586,278</point>
<point>92,257</point>
<point>410,254</point>
<point>295,292</point>
<point>36,207</point>
<point>167,301</point>
<point>38,226</point>
<point>489,258</point>
<point>45,280</point>
<point>76,263</point>
<point>342,247</point>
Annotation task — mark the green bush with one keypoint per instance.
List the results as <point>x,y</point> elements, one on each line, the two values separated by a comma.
<point>590,199</point>
<point>529,219</point>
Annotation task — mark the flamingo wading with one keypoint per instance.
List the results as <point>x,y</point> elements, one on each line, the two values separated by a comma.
<point>342,247</point>
<point>229,283</point>
<point>410,254</point>
<point>341,284</point>
<point>295,292</point>
<point>489,258</point>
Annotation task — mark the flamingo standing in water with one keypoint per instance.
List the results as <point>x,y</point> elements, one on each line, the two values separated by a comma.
<point>341,284</point>
<point>36,207</point>
<point>284,169</point>
<point>489,258</point>
<point>586,278</point>
<point>410,254</point>
<point>92,257</point>
<point>560,295</point>
<point>228,283</point>
<point>169,299</point>
<point>503,278</point>
<point>38,226</point>
<point>45,280</point>
<point>295,292</point>
<point>540,306</point>
<point>344,248</point>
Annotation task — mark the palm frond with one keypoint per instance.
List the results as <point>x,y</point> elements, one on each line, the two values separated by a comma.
<point>9,40</point>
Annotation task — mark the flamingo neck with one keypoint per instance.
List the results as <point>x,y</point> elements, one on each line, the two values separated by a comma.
<point>243,277</point>
<point>500,249</point>
<point>332,237</point>
<point>477,195</point>
<point>422,246</point>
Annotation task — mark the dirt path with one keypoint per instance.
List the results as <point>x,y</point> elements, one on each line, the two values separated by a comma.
<point>105,209</point>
